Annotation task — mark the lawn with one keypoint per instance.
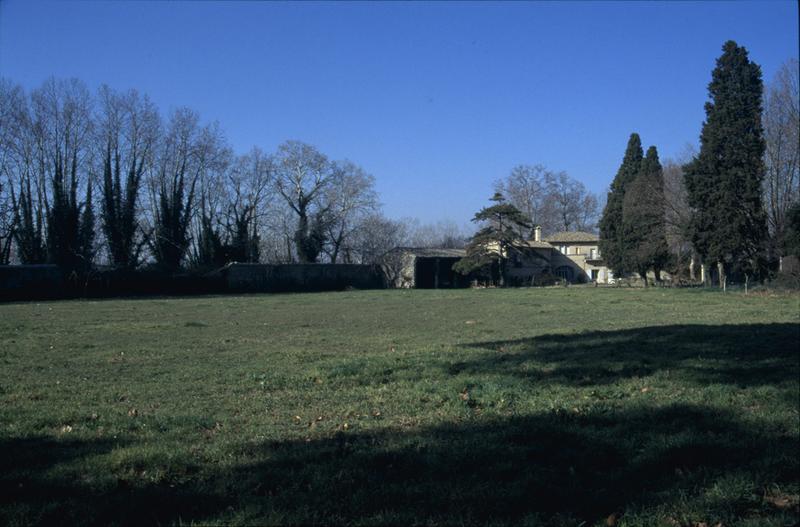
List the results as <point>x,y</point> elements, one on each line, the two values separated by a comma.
<point>564,406</point>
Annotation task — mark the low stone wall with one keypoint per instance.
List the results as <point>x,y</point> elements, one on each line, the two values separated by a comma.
<point>263,278</point>
<point>34,282</point>
<point>30,281</point>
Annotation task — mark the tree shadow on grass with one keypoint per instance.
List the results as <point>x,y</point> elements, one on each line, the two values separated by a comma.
<point>34,491</point>
<point>744,355</point>
<point>543,469</point>
<point>554,469</point>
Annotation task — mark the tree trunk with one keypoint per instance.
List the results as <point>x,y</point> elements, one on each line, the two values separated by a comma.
<point>692,274</point>
<point>722,277</point>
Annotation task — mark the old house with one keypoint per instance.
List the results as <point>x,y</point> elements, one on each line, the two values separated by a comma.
<point>570,256</point>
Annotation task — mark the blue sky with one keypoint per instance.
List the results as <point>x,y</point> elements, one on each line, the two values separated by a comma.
<point>437,100</point>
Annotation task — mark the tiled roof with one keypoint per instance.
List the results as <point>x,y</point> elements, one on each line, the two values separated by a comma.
<point>573,237</point>
<point>538,245</point>
<point>432,252</point>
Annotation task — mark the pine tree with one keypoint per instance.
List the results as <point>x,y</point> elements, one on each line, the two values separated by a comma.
<point>613,246</point>
<point>643,227</point>
<point>497,240</point>
<point>724,181</point>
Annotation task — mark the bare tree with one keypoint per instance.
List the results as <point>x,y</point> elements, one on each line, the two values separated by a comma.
<point>348,199</point>
<point>301,175</point>
<point>187,152</point>
<point>13,166</point>
<point>573,208</point>
<point>552,200</point>
<point>62,127</point>
<point>277,233</point>
<point>782,156</point>
<point>248,186</point>
<point>128,130</point>
<point>376,236</point>
<point>677,213</point>
<point>445,234</point>
<point>526,187</point>
<point>26,181</point>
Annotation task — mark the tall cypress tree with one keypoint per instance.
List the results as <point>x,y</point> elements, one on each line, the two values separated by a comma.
<point>643,227</point>
<point>728,226</point>
<point>612,242</point>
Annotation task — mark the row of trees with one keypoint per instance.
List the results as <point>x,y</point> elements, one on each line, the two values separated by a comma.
<point>731,203</point>
<point>171,191</point>
<point>633,226</point>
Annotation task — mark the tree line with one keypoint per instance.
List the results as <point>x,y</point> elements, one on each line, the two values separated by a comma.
<point>88,178</point>
<point>733,204</point>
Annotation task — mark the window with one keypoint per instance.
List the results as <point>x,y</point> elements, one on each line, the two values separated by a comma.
<point>562,249</point>
<point>595,275</point>
<point>592,254</point>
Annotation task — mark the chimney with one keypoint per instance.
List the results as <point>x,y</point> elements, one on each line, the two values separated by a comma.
<point>537,233</point>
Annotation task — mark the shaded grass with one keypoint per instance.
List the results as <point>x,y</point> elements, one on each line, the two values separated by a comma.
<point>543,406</point>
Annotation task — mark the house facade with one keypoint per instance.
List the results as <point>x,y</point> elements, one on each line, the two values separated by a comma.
<point>577,258</point>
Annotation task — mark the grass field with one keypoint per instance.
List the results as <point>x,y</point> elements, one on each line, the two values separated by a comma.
<point>576,406</point>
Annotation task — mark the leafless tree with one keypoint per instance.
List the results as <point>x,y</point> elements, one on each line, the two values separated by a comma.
<point>349,198</point>
<point>301,175</point>
<point>187,152</point>
<point>526,187</point>
<point>127,132</point>
<point>677,213</point>
<point>62,128</point>
<point>782,156</point>
<point>376,236</point>
<point>277,233</point>
<point>445,234</point>
<point>14,169</point>
<point>552,200</point>
<point>573,208</point>
<point>248,187</point>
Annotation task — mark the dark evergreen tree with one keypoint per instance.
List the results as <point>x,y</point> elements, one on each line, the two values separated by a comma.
<point>119,207</point>
<point>70,233</point>
<point>210,251</point>
<point>613,246</point>
<point>497,240</point>
<point>171,233</point>
<point>28,231</point>
<point>643,226</point>
<point>791,236</point>
<point>724,180</point>
<point>310,239</point>
<point>244,240</point>
<point>86,234</point>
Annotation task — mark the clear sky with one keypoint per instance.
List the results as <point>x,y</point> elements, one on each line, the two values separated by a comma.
<point>437,100</point>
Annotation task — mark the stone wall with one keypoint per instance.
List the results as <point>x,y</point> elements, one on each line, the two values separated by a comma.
<point>30,281</point>
<point>263,278</point>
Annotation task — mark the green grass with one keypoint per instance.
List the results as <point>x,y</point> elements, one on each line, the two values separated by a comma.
<point>529,406</point>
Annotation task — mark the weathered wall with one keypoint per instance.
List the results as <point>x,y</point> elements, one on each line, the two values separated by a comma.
<point>246,278</point>
<point>30,281</point>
